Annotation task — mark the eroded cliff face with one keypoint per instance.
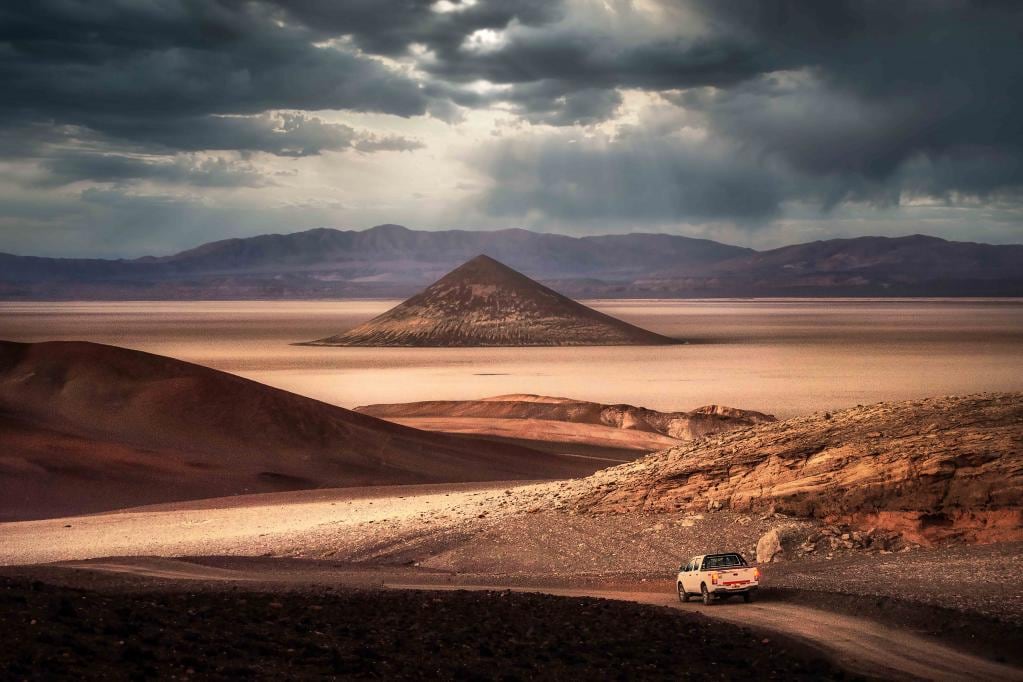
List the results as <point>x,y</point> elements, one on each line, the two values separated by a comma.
<point>933,469</point>
<point>702,421</point>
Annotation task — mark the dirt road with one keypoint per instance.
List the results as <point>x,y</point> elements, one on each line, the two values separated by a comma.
<point>436,524</point>
<point>858,645</point>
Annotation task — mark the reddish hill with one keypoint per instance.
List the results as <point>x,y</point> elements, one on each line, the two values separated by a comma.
<point>87,427</point>
<point>486,303</point>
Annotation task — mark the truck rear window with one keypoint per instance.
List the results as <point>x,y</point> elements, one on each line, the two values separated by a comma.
<point>723,561</point>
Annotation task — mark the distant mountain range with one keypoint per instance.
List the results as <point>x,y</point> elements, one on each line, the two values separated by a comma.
<point>394,261</point>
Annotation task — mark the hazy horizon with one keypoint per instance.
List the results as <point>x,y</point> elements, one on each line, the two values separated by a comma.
<point>493,229</point>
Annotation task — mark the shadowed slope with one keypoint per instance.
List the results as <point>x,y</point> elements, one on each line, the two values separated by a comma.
<point>86,427</point>
<point>486,303</point>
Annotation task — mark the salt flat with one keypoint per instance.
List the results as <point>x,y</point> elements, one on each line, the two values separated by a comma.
<point>785,357</point>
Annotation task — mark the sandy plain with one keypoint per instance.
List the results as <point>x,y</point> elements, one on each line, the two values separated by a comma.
<point>784,357</point>
<point>781,357</point>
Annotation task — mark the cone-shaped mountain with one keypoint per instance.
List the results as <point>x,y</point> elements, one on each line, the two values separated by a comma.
<point>486,303</point>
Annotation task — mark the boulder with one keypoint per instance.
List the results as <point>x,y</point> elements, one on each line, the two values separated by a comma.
<point>769,547</point>
<point>776,543</point>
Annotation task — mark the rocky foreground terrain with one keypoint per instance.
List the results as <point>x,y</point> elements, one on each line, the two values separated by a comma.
<point>931,470</point>
<point>623,529</point>
<point>134,632</point>
<point>486,303</point>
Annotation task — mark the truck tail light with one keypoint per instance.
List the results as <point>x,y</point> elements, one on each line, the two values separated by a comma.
<point>713,578</point>
<point>756,574</point>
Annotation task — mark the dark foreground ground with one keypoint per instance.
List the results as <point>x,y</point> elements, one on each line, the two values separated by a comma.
<point>59,632</point>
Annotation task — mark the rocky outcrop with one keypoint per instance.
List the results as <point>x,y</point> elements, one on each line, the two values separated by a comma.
<point>680,426</point>
<point>486,303</point>
<point>702,421</point>
<point>930,469</point>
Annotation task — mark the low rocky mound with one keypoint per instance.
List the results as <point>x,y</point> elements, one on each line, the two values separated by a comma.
<point>546,419</point>
<point>486,303</point>
<point>86,427</point>
<point>932,469</point>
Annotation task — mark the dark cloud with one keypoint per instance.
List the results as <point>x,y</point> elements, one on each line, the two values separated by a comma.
<point>95,63</point>
<point>581,60</point>
<point>168,77</point>
<point>389,27</point>
<point>284,134</point>
<point>882,85</point>
<point>825,103</point>
<point>546,102</point>
<point>843,101</point>
<point>634,177</point>
<point>74,166</point>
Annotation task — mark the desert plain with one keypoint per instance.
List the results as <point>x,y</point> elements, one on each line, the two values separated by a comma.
<point>782,356</point>
<point>543,577</point>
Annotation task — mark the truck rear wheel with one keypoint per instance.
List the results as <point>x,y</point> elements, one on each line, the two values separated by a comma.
<point>747,597</point>
<point>708,598</point>
<point>683,596</point>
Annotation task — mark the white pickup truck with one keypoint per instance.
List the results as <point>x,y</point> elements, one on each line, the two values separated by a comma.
<point>717,575</point>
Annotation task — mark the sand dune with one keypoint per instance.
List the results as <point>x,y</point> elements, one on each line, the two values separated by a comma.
<point>86,427</point>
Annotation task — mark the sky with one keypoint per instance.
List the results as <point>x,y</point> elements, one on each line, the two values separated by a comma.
<point>134,127</point>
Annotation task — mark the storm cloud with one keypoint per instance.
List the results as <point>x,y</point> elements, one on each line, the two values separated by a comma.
<point>670,112</point>
<point>184,77</point>
<point>114,168</point>
<point>637,177</point>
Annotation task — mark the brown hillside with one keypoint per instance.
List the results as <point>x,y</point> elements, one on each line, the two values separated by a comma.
<point>933,469</point>
<point>486,303</point>
<point>86,427</point>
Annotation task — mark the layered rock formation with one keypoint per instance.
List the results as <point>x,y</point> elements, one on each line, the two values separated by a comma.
<point>932,469</point>
<point>486,303</point>
<point>86,427</point>
<point>492,415</point>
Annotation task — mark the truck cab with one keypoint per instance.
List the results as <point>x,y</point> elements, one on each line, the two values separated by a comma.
<point>717,576</point>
